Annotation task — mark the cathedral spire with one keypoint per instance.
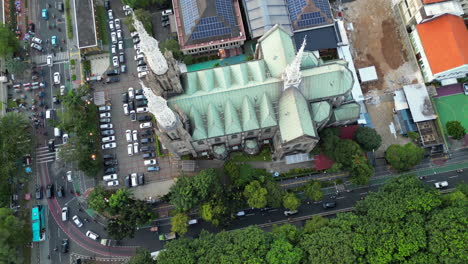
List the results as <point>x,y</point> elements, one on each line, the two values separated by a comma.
<point>159,108</point>
<point>292,74</point>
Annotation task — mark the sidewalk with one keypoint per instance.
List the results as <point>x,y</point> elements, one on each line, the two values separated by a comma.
<point>74,53</point>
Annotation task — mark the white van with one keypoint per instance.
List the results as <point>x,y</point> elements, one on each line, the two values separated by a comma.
<point>49,114</point>
<point>57,132</point>
<point>133,177</point>
<point>110,177</point>
<point>92,235</point>
<point>37,40</point>
<point>64,214</point>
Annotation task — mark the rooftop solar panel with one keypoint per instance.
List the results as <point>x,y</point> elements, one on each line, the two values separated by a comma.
<point>226,10</point>
<point>189,14</point>
<point>295,8</point>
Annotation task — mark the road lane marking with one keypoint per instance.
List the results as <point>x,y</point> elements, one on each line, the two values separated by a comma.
<point>341,197</point>
<point>454,176</point>
<point>431,181</point>
<point>364,193</point>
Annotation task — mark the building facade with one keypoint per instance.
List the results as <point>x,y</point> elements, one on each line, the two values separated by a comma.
<point>414,12</point>
<point>280,99</point>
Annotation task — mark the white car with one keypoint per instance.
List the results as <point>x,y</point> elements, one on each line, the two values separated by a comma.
<point>142,74</point>
<point>121,46</point>
<point>111,25</point>
<point>62,90</point>
<point>117,23</point>
<point>139,57</point>
<point>142,68</point>
<point>111,14</point>
<point>193,222</point>
<point>142,110</point>
<point>125,108</point>
<point>150,162</point>
<point>50,61</point>
<point>109,145</point>
<point>135,148</point>
<point>114,49</point>
<point>114,37</point>
<point>115,61</point>
<point>128,135</point>
<point>65,138</point>
<point>440,185</point>
<point>113,183</point>
<point>69,176</point>
<point>119,34</point>
<point>64,214</point>
<point>137,46</point>
<point>106,126</point>
<point>146,125</point>
<point>131,93</point>
<point>108,139</point>
<point>104,115</point>
<point>166,12</point>
<point>139,52</point>
<point>134,34</point>
<point>91,234</point>
<point>77,221</point>
<point>135,135</point>
<point>130,150</point>
<point>110,177</point>
<point>57,78</point>
<point>104,108</point>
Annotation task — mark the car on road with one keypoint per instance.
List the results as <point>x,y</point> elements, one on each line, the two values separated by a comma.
<point>50,191</point>
<point>240,213</point>
<point>113,183</point>
<point>69,176</point>
<point>108,139</point>
<point>135,135</point>
<point>91,234</point>
<point>327,205</point>
<point>57,78</point>
<point>36,46</point>
<point>290,212</point>
<point>50,62</point>
<point>110,177</point>
<point>62,90</point>
<point>60,192</point>
<point>117,23</point>
<point>65,138</point>
<point>104,108</point>
<point>465,88</point>
<point>64,214</point>
<point>150,162</point>
<point>135,148</point>
<point>77,221</point>
<point>153,168</point>
<point>45,14</point>
<point>38,192</point>
<point>440,185</point>
<point>142,110</point>
<point>64,246</point>
<point>130,149</point>
<point>149,155</point>
<point>107,132</point>
<point>110,170</point>
<point>104,115</point>
<point>109,145</point>
<point>110,14</point>
<point>115,61</point>
<point>146,125</point>
<point>53,41</point>
<point>133,115</point>
<point>36,40</point>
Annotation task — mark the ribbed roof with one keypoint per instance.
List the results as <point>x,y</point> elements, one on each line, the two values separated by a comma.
<point>267,114</point>
<point>321,111</point>
<point>277,50</point>
<point>215,126</point>
<point>231,119</point>
<point>196,120</point>
<point>347,112</point>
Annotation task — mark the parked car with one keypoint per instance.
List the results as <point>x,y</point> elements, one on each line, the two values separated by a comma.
<point>114,38</point>
<point>327,205</point>
<point>109,145</point>
<point>108,139</point>
<point>142,110</point>
<point>465,88</point>
<point>144,118</point>
<point>125,109</point>
<point>131,93</point>
<point>135,135</point>
<point>110,162</point>
<point>104,120</point>
<point>146,125</point>
<point>106,126</point>
<point>56,78</point>
<point>121,45</point>
<point>112,72</point>
<point>149,155</point>
<point>141,178</point>
<point>104,115</point>
<point>122,58</point>
<point>91,234</point>
<point>110,14</point>
<point>112,79</point>
<point>77,221</point>
<point>49,60</point>
<point>110,177</point>
<point>166,12</point>
<point>130,149</point>
<point>124,98</point>
<point>127,182</point>
<point>117,23</point>
<point>147,140</point>
<point>153,168</point>
<point>115,61</point>
<point>36,46</point>
<point>135,148</point>
<point>119,34</point>
<point>104,108</point>
<point>123,68</point>
<point>147,132</point>
<point>150,162</point>
<point>133,116</point>
<point>111,25</point>
<point>110,170</point>
<point>60,192</point>
<point>107,132</point>
<point>108,156</point>
<point>69,176</point>
<point>113,183</point>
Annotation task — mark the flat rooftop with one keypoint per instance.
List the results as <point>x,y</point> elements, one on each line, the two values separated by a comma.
<point>326,37</point>
<point>419,102</point>
<point>85,24</point>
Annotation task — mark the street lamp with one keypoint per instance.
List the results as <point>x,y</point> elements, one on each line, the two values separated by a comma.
<point>93,157</point>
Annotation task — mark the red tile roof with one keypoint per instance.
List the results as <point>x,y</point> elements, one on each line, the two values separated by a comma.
<point>444,40</point>
<point>432,1</point>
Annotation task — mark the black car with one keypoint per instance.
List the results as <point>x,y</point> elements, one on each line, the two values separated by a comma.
<point>149,155</point>
<point>144,118</point>
<point>50,191</point>
<point>133,116</point>
<point>38,192</point>
<point>141,62</point>
<point>125,98</point>
<point>146,140</point>
<point>147,132</point>
<point>131,106</point>
<point>60,6</point>
<point>107,132</point>
<point>107,4</point>
<point>64,246</point>
<point>139,92</point>
<point>105,120</point>
<point>110,162</point>
<point>32,27</point>
<point>110,170</point>
<point>112,79</point>
<point>141,179</point>
<point>55,100</point>
<point>112,72</point>
<point>60,192</point>
<point>141,103</point>
<point>108,156</point>
<point>127,182</point>
<point>147,149</point>
<point>327,205</point>
<point>51,145</point>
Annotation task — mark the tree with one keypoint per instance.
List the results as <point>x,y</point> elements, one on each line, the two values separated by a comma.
<point>291,202</point>
<point>179,223</point>
<point>256,195</point>
<point>206,182</point>
<point>345,150</point>
<point>455,129</point>
<point>173,46</point>
<point>329,141</point>
<point>275,193</point>
<point>97,199</point>
<point>360,170</point>
<point>288,232</point>
<point>183,195</point>
<point>404,157</point>
<point>144,16</point>
<point>119,229</point>
<point>119,200</point>
<point>16,65</point>
<point>315,223</point>
<point>128,21</point>
<point>367,138</point>
<point>142,256</point>
<point>9,44</point>
<point>14,233</point>
<point>313,191</point>
<point>413,135</point>
<point>214,211</point>
<point>282,252</point>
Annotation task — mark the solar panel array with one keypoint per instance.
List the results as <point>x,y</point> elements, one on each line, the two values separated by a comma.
<point>189,14</point>
<point>324,6</point>
<point>226,10</point>
<point>309,19</point>
<point>210,27</point>
<point>295,8</point>
<point>311,22</point>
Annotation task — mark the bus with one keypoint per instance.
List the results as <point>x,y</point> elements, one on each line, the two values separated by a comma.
<point>38,223</point>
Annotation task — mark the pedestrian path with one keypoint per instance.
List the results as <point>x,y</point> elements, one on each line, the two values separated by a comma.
<point>43,155</point>
<point>42,59</point>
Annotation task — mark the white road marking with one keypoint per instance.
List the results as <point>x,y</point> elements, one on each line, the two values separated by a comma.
<point>454,176</point>
<point>431,181</point>
<point>341,197</point>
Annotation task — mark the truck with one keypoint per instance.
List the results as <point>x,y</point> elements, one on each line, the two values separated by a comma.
<point>440,185</point>
<point>108,242</point>
<point>168,236</point>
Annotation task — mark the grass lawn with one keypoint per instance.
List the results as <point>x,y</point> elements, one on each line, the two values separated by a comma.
<point>264,155</point>
<point>452,108</point>
<point>102,25</point>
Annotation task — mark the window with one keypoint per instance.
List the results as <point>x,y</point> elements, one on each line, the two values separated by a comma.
<point>200,143</point>
<point>233,136</point>
<point>268,130</point>
<point>250,134</point>
<point>217,139</point>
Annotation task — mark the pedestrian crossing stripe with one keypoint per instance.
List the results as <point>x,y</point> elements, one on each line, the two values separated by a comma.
<point>61,56</point>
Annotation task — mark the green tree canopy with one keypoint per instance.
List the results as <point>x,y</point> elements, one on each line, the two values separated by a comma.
<point>9,44</point>
<point>367,138</point>
<point>404,157</point>
<point>142,256</point>
<point>97,199</point>
<point>120,199</point>
<point>282,252</point>
<point>315,223</point>
<point>14,233</point>
<point>118,229</point>
<point>144,16</point>
<point>173,46</point>
<point>256,195</point>
<point>455,129</point>
<point>345,151</point>
<point>179,223</point>
<point>360,170</point>
<point>313,191</point>
<point>291,202</point>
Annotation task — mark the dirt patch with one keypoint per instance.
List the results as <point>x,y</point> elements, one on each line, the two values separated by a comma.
<point>391,46</point>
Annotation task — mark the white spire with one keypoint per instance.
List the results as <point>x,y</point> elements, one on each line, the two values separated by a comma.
<point>158,107</point>
<point>292,74</point>
<point>150,47</point>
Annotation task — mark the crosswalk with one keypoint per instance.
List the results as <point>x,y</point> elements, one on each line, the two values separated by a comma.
<point>42,59</point>
<point>43,155</point>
